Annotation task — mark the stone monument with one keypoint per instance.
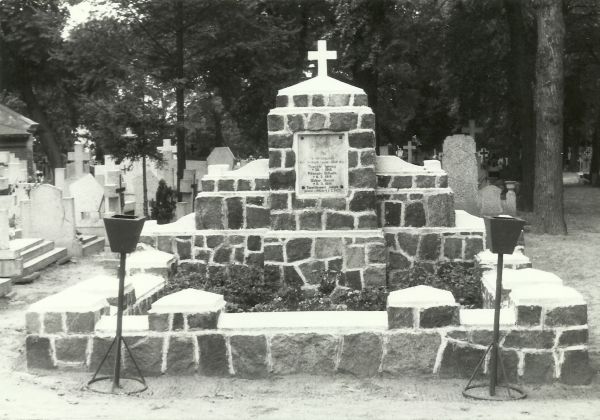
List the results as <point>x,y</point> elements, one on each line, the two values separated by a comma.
<point>461,164</point>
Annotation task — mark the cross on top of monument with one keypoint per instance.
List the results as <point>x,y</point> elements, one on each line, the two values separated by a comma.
<point>321,56</point>
<point>472,129</point>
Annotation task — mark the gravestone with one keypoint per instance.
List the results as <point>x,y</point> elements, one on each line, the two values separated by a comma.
<point>461,165</point>
<point>87,194</point>
<point>221,156</point>
<point>78,162</point>
<point>49,216</point>
<point>490,201</point>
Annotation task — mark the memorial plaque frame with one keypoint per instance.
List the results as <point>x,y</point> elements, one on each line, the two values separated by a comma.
<point>321,169</point>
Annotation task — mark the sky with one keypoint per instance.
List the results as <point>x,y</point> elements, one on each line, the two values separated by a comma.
<point>83,11</point>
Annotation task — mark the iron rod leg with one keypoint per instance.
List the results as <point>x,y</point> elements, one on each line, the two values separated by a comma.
<point>119,337</point>
<point>496,338</point>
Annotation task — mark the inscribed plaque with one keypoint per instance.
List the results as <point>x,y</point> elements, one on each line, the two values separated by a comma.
<point>322,164</point>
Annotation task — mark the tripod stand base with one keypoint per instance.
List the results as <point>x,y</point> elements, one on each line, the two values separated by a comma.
<point>503,392</point>
<point>128,386</point>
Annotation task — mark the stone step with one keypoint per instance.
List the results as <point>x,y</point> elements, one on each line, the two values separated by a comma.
<point>23,244</point>
<point>44,260</point>
<point>37,250</point>
<point>93,247</point>
<point>84,239</point>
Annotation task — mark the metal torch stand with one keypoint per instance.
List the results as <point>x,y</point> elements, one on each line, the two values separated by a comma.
<point>116,378</point>
<point>512,392</point>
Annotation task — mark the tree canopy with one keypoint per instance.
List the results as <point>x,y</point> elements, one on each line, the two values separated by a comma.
<point>211,69</point>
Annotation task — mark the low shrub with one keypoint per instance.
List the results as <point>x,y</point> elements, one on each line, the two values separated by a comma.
<point>463,280</point>
<point>246,289</point>
<point>163,207</point>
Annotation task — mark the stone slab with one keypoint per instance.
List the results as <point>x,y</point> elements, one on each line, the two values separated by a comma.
<point>190,301</point>
<point>420,297</point>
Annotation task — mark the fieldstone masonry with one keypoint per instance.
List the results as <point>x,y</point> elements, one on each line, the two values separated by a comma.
<point>324,202</point>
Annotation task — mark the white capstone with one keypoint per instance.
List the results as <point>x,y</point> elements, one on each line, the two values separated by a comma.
<point>149,258</point>
<point>320,85</point>
<point>549,296</point>
<point>432,165</point>
<point>103,285</point>
<point>146,284</point>
<point>258,168</point>
<point>467,221</point>
<point>217,170</point>
<point>420,297</point>
<point>352,320</point>
<point>526,277</point>
<point>390,165</point>
<point>190,301</point>
<point>70,301</point>
<point>488,258</point>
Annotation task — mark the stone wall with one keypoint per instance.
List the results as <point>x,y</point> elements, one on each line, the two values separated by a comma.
<point>530,355</point>
<point>356,258</point>
<point>345,115</point>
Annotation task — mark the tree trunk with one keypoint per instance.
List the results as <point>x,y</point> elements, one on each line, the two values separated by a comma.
<point>179,98</point>
<point>595,163</point>
<point>45,131</point>
<point>549,98</point>
<point>521,79</point>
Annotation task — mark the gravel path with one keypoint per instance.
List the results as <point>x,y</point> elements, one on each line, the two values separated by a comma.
<point>576,257</point>
<point>59,395</point>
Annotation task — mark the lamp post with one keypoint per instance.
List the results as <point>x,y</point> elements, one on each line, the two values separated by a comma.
<point>123,233</point>
<point>503,233</point>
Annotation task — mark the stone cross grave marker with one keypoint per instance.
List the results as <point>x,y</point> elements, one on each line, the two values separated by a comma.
<point>409,148</point>
<point>321,56</point>
<point>483,154</point>
<point>472,129</point>
<point>77,161</point>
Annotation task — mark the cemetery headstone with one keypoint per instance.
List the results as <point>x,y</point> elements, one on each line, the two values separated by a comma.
<point>87,194</point>
<point>490,201</point>
<point>78,162</point>
<point>49,216</point>
<point>410,147</point>
<point>461,165</point>
<point>221,156</point>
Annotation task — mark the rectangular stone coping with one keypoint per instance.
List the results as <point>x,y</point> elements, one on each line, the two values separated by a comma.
<point>549,296</point>
<point>362,109</point>
<point>149,258</point>
<point>424,191</point>
<point>487,257</point>
<point>525,277</point>
<point>359,233</point>
<point>70,300</point>
<point>376,320</point>
<point>251,193</point>
<point>131,324</point>
<point>468,221</point>
<point>102,285</point>
<point>228,175</point>
<point>146,284</point>
<point>485,317</point>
